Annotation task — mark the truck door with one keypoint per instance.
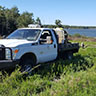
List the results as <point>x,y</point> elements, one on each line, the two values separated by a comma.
<point>48,46</point>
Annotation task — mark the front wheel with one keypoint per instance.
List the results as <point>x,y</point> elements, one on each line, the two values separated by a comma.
<point>27,64</point>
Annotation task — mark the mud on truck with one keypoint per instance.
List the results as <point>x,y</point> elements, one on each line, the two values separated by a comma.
<point>30,46</point>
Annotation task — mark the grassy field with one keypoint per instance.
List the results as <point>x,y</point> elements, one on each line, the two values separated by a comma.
<point>76,77</point>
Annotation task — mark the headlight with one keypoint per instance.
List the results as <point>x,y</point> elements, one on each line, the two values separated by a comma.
<point>8,53</point>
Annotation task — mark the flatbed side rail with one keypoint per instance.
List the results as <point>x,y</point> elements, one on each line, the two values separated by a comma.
<point>68,47</point>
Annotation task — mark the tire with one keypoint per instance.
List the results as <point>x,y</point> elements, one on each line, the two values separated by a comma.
<point>27,64</point>
<point>69,55</point>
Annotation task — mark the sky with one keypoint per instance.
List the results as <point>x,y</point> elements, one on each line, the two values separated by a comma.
<point>70,12</point>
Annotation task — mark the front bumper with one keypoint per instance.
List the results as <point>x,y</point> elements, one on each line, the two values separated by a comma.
<point>7,64</point>
<point>4,62</point>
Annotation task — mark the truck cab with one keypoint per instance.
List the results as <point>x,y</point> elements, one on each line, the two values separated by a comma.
<point>30,45</point>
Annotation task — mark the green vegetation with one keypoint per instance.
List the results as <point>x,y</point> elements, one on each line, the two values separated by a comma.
<point>76,77</point>
<point>77,35</point>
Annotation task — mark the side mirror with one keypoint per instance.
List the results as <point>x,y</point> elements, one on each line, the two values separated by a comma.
<point>42,41</point>
<point>49,40</point>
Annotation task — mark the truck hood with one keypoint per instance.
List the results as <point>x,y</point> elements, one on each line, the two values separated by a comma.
<point>13,42</point>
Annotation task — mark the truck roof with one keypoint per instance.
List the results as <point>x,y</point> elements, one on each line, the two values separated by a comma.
<point>37,28</point>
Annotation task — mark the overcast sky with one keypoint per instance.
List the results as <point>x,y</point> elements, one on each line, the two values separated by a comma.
<point>70,12</point>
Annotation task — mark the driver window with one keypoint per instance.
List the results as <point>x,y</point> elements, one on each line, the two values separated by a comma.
<point>46,37</point>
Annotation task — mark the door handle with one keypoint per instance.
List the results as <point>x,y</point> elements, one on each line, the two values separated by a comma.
<point>54,45</point>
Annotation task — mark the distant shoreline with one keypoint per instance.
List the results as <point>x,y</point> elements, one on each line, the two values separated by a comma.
<point>69,26</point>
<point>82,38</point>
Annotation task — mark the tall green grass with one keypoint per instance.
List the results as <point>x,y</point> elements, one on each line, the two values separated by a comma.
<point>76,77</point>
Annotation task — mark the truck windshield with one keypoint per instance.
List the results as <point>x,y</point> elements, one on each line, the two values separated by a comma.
<point>29,34</point>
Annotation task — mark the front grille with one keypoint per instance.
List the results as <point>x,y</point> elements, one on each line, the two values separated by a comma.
<point>2,53</point>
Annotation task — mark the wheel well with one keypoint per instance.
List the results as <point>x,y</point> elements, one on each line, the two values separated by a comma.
<point>29,55</point>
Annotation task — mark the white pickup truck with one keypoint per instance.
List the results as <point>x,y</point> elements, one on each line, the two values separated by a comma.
<point>30,46</point>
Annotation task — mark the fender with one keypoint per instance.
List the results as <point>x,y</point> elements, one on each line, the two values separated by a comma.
<point>29,54</point>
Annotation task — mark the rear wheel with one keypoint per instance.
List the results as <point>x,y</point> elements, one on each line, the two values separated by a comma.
<point>69,55</point>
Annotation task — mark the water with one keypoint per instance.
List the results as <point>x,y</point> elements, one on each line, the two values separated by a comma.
<point>84,32</point>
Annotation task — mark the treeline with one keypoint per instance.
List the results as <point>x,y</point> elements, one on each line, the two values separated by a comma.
<point>11,19</point>
<point>68,26</point>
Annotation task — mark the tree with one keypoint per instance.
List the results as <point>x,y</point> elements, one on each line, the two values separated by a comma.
<point>15,12</point>
<point>38,21</point>
<point>25,19</point>
<point>11,19</point>
<point>58,23</point>
<point>2,20</point>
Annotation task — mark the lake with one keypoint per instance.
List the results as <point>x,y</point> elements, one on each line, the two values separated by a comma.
<point>85,32</point>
